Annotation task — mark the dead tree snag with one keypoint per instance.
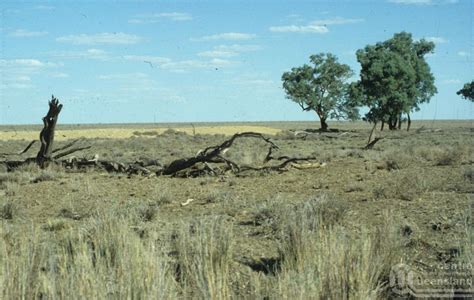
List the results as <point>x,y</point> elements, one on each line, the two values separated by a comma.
<point>47,134</point>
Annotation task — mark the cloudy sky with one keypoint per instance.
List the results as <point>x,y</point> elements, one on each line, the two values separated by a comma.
<point>191,61</point>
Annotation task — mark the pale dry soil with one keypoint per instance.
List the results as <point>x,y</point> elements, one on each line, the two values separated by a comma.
<point>422,179</point>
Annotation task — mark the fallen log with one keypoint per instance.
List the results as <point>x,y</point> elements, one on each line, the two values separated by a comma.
<point>210,154</point>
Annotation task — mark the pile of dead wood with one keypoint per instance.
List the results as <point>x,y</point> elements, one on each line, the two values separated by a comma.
<point>209,161</point>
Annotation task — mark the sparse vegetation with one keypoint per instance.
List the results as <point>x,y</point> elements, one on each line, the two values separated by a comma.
<point>331,232</point>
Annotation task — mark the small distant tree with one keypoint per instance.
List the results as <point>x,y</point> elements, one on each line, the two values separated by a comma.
<point>394,79</point>
<point>322,88</point>
<point>467,92</point>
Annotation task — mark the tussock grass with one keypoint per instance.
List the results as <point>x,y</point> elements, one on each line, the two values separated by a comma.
<point>323,261</point>
<point>204,259</point>
<point>30,173</point>
<point>106,257</point>
<point>6,210</point>
<point>103,259</point>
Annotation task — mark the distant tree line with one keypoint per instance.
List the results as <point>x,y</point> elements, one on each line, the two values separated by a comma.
<point>395,80</point>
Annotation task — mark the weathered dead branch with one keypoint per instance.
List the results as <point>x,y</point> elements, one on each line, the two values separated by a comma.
<point>286,162</point>
<point>22,151</point>
<point>210,154</point>
<point>371,144</point>
<point>70,151</point>
<point>47,134</point>
<point>65,146</point>
<point>27,147</point>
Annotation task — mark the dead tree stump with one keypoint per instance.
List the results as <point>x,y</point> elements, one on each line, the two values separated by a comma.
<point>47,133</point>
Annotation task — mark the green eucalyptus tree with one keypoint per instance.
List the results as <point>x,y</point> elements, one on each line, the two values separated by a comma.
<point>321,87</point>
<point>395,78</point>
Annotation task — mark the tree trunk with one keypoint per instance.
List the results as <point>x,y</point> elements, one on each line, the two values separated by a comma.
<point>324,125</point>
<point>408,122</point>
<point>400,121</point>
<point>392,123</point>
<point>391,126</point>
<point>381,126</point>
<point>371,133</point>
<point>47,133</point>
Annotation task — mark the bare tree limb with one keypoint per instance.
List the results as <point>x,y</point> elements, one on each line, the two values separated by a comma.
<point>70,151</point>
<point>65,146</point>
<point>27,147</point>
<point>21,152</point>
<point>279,167</point>
<point>210,153</point>
<point>371,144</point>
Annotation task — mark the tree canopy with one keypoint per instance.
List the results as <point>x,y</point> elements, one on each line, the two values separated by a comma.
<point>394,78</point>
<point>467,92</point>
<point>321,87</point>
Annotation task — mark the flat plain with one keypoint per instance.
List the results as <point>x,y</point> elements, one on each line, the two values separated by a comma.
<point>334,231</point>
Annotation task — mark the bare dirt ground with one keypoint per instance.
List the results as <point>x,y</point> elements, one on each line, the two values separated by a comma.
<point>422,179</point>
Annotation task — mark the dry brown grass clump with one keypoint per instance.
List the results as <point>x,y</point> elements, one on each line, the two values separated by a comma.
<point>103,259</point>
<point>324,261</point>
<point>204,258</point>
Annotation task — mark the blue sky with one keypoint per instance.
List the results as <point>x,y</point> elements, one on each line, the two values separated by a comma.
<point>191,61</point>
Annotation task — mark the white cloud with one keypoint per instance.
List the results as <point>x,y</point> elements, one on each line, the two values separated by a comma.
<point>217,53</point>
<point>27,33</point>
<point>155,18</point>
<point>238,48</point>
<point>229,36</point>
<point>436,39</point>
<point>118,38</point>
<point>300,29</point>
<point>96,54</point>
<point>123,76</point>
<point>25,62</point>
<point>317,26</point>
<point>226,51</point>
<point>464,54</point>
<point>337,21</point>
<point>17,73</point>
